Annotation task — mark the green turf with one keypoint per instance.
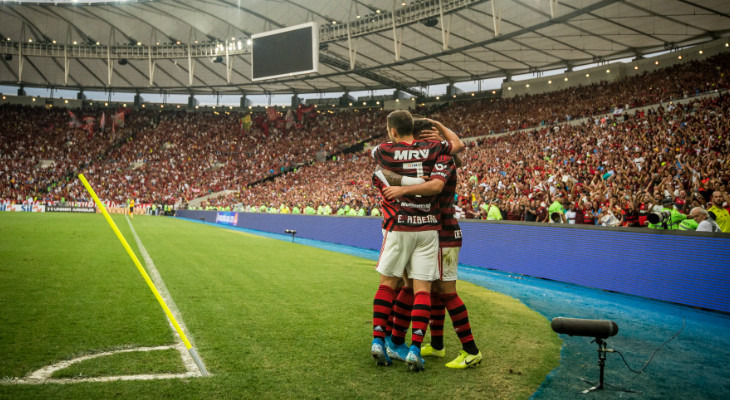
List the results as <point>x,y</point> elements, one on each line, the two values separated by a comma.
<point>271,319</point>
<point>129,363</point>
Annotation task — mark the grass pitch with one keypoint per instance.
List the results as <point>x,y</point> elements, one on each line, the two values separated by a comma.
<point>271,319</point>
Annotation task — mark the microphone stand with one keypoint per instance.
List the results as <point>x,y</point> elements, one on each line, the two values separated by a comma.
<point>602,350</point>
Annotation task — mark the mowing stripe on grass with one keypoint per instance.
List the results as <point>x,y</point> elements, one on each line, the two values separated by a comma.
<point>188,360</point>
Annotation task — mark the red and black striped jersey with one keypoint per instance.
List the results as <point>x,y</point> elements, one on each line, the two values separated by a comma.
<point>450,233</point>
<point>410,213</point>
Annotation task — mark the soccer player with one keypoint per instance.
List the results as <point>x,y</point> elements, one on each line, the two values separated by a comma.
<point>131,208</point>
<point>444,294</point>
<point>410,231</point>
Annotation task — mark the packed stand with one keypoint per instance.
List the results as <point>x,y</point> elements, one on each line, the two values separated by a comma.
<point>41,150</point>
<point>165,157</point>
<point>488,116</point>
<point>612,172</point>
<point>605,171</point>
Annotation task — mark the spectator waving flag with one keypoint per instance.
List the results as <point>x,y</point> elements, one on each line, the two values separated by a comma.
<point>309,111</point>
<point>89,123</point>
<point>102,122</point>
<point>289,119</point>
<point>73,122</point>
<point>118,120</point>
<point>272,114</point>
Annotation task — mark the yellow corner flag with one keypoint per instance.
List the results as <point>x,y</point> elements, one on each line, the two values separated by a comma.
<point>146,277</point>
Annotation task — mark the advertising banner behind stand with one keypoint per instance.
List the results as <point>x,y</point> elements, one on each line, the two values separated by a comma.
<point>227,218</point>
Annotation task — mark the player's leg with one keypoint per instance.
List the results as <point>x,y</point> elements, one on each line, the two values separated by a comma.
<point>389,329</point>
<point>424,270</point>
<point>401,316</point>
<point>402,308</point>
<point>436,326</point>
<point>390,266</point>
<point>469,356</point>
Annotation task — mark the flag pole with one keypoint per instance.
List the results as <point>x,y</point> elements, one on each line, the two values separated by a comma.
<point>146,277</point>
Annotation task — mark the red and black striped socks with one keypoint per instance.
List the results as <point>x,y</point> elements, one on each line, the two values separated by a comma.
<point>436,322</point>
<point>419,317</point>
<point>382,306</point>
<point>460,318</point>
<point>402,315</point>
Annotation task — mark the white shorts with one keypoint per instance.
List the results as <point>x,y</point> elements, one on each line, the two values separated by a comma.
<point>449,260</point>
<point>414,252</point>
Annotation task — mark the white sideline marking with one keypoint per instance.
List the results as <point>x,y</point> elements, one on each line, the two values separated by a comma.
<point>44,374</point>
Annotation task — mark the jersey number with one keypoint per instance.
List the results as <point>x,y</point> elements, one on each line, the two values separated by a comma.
<point>417,166</point>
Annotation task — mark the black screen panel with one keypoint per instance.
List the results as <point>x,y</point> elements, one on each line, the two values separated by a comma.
<point>285,52</point>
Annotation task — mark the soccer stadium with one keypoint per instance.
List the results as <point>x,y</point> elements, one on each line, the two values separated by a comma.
<point>366,199</point>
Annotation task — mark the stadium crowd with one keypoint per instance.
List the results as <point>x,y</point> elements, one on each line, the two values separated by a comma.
<point>164,157</point>
<point>488,116</point>
<point>607,170</point>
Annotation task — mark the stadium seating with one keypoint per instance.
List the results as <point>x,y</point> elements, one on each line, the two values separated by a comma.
<point>605,167</point>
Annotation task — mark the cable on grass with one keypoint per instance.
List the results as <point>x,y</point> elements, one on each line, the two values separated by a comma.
<point>684,324</point>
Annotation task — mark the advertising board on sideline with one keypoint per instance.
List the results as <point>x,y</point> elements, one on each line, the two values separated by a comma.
<point>23,207</point>
<point>70,209</point>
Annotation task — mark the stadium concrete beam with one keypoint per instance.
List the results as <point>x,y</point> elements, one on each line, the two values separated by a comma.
<point>610,21</point>
<point>36,31</point>
<point>345,65</point>
<point>187,24</point>
<point>409,15</point>
<point>204,65</point>
<point>16,75</point>
<point>654,14</point>
<point>412,48</point>
<point>705,8</point>
<point>7,66</point>
<point>568,24</point>
<point>537,33</point>
<point>489,30</point>
<point>55,61</point>
<point>55,14</point>
<point>51,13</point>
<point>32,64</point>
<point>513,40</point>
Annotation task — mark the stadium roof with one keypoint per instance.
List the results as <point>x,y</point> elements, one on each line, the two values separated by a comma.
<point>170,46</point>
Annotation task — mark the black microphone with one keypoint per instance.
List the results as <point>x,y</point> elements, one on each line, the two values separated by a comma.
<point>597,328</point>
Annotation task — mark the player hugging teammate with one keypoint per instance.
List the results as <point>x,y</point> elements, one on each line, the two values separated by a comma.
<point>421,241</point>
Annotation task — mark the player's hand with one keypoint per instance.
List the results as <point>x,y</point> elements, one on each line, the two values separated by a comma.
<point>393,192</point>
<point>430,135</point>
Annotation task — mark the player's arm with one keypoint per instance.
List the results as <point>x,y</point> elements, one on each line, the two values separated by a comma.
<point>430,188</point>
<point>395,179</point>
<point>457,146</point>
